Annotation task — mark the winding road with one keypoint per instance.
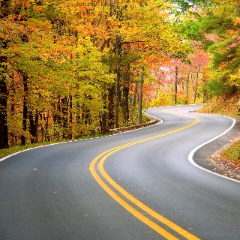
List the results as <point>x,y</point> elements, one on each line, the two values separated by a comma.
<point>136,185</point>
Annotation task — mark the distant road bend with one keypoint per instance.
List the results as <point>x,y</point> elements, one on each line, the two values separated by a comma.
<point>131,186</point>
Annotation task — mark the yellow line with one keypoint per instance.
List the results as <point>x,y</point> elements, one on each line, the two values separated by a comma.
<point>128,207</point>
<point>148,210</point>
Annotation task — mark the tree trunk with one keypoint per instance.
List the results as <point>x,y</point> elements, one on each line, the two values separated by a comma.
<point>204,94</point>
<point>70,116</point>
<point>78,109</point>
<point>117,96</point>
<point>118,52</point>
<point>135,96</point>
<point>3,114</point>
<point>13,138</point>
<point>182,85</point>
<point>65,117</point>
<point>3,105</point>
<point>57,117</point>
<point>4,6</point>
<point>125,107</point>
<point>187,85</point>
<point>25,107</point>
<point>175,85</point>
<point>33,126</point>
<point>140,99</point>
<point>111,107</point>
<point>46,119</point>
<point>103,122</point>
<point>196,86</point>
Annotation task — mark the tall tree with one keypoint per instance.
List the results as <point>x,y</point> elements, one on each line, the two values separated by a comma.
<point>216,24</point>
<point>4,12</point>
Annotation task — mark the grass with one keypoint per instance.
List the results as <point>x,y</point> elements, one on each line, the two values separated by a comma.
<point>8,151</point>
<point>232,153</point>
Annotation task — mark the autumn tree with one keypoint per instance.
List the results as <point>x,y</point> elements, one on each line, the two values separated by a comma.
<point>3,85</point>
<point>216,25</point>
<point>75,68</point>
<point>49,64</point>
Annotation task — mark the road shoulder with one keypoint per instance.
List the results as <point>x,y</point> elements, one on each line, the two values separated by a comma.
<point>206,156</point>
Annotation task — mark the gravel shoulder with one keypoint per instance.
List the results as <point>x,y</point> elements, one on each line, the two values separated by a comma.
<point>208,156</point>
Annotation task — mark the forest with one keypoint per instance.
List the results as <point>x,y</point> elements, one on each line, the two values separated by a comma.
<point>76,68</point>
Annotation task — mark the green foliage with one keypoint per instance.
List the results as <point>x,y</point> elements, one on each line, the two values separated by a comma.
<point>228,57</point>
<point>218,29</point>
<point>193,30</point>
<point>217,24</point>
<point>218,86</point>
<point>232,153</point>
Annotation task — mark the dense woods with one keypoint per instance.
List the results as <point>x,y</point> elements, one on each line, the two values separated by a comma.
<point>81,67</point>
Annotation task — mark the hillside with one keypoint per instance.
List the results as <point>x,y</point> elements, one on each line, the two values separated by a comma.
<point>223,105</point>
<point>229,156</point>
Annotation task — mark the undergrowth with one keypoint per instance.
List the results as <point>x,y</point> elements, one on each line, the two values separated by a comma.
<point>223,105</point>
<point>8,151</point>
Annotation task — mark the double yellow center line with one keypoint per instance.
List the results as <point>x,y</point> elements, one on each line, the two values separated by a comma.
<point>101,158</point>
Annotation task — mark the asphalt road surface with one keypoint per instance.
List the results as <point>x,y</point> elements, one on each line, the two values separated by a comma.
<point>131,186</point>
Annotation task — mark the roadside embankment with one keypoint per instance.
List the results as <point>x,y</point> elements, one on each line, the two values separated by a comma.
<point>223,155</point>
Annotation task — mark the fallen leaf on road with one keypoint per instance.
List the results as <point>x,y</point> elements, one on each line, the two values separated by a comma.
<point>35,169</point>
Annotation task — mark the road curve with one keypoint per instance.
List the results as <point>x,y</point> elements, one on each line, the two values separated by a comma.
<point>136,185</point>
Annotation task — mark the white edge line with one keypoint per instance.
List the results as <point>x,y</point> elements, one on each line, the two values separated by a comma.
<point>191,154</point>
<point>51,144</point>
